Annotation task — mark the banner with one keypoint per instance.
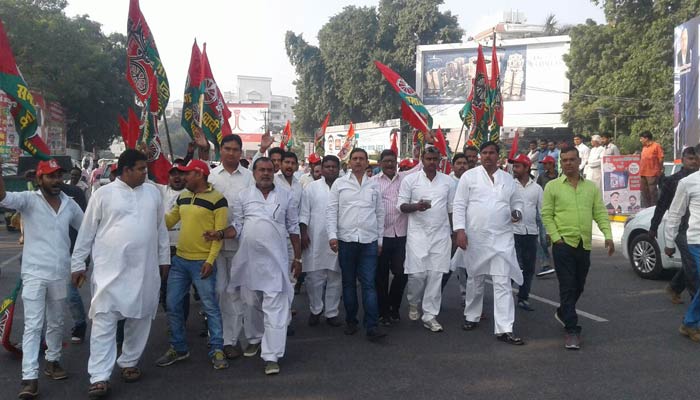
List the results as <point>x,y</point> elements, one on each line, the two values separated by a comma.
<point>686,118</point>
<point>621,184</point>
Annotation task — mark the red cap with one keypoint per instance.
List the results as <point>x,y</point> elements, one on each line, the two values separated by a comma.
<point>47,167</point>
<point>522,159</point>
<point>548,159</point>
<point>113,167</point>
<point>407,163</point>
<point>195,165</point>
<point>314,158</point>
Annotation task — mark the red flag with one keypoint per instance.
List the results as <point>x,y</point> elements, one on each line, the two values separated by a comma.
<point>412,108</point>
<point>481,86</point>
<point>286,137</point>
<point>514,146</point>
<point>348,144</point>
<point>394,144</point>
<point>441,144</point>
<point>191,110</point>
<point>321,133</point>
<point>215,113</point>
<point>130,129</point>
<point>496,99</point>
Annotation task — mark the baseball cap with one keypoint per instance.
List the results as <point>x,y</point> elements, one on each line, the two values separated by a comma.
<point>195,165</point>
<point>48,167</point>
<point>407,163</point>
<point>522,159</point>
<point>314,158</point>
<point>548,159</point>
<point>176,163</point>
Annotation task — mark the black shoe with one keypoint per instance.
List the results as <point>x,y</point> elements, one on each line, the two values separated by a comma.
<point>375,334</point>
<point>77,335</point>
<point>525,305</point>
<point>394,317</point>
<point>469,325</point>
<point>384,321</point>
<point>334,322</point>
<point>350,329</point>
<point>510,339</point>
<point>314,319</point>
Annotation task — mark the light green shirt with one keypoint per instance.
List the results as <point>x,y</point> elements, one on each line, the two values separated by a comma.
<point>568,213</point>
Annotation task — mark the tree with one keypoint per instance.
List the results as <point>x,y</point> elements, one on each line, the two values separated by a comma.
<point>339,76</point>
<point>71,61</point>
<point>623,71</point>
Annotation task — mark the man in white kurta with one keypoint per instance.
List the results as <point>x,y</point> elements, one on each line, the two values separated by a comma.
<point>486,204</point>
<point>230,178</point>
<point>263,216</point>
<point>124,230</point>
<point>593,169</point>
<point>427,198</point>
<point>319,262</point>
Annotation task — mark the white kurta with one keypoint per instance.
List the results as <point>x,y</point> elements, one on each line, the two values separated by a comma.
<point>318,255</point>
<point>124,230</point>
<point>428,243</point>
<point>483,208</point>
<point>261,263</point>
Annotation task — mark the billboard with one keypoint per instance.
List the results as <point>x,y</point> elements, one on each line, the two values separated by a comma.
<point>370,136</point>
<point>248,121</point>
<point>621,184</point>
<point>685,86</point>
<point>533,80</point>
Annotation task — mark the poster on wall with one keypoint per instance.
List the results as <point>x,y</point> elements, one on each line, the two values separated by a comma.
<point>685,87</point>
<point>621,184</point>
<point>447,77</point>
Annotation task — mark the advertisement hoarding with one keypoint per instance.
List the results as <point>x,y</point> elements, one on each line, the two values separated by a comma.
<point>370,136</point>
<point>621,184</point>
<point>685,87</point>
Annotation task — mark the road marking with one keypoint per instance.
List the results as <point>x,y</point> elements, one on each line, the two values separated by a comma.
<point>12,259</point>
<point>584,314</point>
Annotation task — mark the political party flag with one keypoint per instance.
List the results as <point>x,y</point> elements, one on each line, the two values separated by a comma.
<point>514,146</point>
<point>412,108</point>
<point>22,106</point>
<point>158,164</point>
<point>287,141</point>
<point>394,142</point>
<point>7,314</point>
<point>349,143</point>
<point>495,98</point>
<point>192,104</point>
<point>320,138</point>
<point>215,113</point>
<point>144,69</point>
<point>441,145</point>
<point>475,111</point>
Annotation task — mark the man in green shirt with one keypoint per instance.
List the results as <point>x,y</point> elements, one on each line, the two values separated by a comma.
<point>570,206</point>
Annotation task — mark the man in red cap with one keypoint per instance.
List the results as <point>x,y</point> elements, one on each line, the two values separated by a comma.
<point>314,170</point>
<point>199,209</point>
<point>526,230</point>
<point>47,213</point>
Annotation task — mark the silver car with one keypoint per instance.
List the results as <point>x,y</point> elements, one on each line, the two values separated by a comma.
<point>644,252</point>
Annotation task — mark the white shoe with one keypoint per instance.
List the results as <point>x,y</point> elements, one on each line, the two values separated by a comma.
<point>433,325</point>
<point>413,314</point>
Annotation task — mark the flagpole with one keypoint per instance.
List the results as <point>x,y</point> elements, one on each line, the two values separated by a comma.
<point>459,138</point>
<point>167,135</point>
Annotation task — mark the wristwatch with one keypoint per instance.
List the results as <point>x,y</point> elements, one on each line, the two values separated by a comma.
<point>297,260</point>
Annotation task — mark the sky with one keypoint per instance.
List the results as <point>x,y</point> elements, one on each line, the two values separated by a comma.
<point>247,37</point>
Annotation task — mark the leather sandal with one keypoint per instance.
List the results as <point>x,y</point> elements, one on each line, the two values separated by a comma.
<point>131,374</point>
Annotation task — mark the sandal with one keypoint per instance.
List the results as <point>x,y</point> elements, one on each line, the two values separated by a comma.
<point>131,374</point>
<point>98,390</point>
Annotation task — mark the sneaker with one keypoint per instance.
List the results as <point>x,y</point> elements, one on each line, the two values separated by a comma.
<point>432,325</point>
<point>525,305</point>
<point>469,325</point>
<point>572,341</point>
<point>334,322</point>
<point>30,389</point>
<point>77,335</point>
<point>692,333</point>
<point>675,296</point>
<point>218,360</point>
<point>350,329</point>
<point>384,321</point>
<point>314,319</point>
<point>251,350</point>
<point>509,338</point>
<point>272,368</point>
<point>558,318</point>
<point>232,352</point>
<point>413,314</point>
<point>375,334</point>
<point>171,357</point>
<point>546,270</point>
<point>54,371</point>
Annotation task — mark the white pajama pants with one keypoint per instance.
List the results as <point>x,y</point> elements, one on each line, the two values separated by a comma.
<point>236,316</point>
<point>462,279</point>
<point>426,288</point>
<point>315,283</point>
<point>503,302</point>
<point>276,309</point>
<point>103,345</point>
<point>43,300</point>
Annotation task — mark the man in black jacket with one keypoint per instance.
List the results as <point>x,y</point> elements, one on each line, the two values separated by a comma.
<point>685,277</point>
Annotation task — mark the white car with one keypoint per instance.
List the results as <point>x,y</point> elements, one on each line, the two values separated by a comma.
<point>644,252</point>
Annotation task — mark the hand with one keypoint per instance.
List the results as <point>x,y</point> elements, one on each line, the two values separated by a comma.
<point>78,278</point>
<point>296,269</point>
<point>164,269</point>
<point>379,251</point>
<point>211,236</point>
<point>652,234</point>
<point>669,251</point>
<point>560,241</point>
<point>610,245</point>
<point>462,241</point>
<point>199,139</point>
<point>334,245</point>
<point>305,240</point>
<point>515,216</point>
<point>206,270</point>
<point>423,205</point>
<point>266,141</point>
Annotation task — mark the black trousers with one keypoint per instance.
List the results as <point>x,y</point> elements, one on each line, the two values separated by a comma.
<point>526,250</point>
<point>391,260</point>
<point>685,278</point>
<point>571,265</point>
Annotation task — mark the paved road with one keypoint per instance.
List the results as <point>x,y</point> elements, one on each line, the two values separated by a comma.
<point>636,353</point>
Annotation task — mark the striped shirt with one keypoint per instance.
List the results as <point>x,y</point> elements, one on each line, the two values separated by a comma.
<point>395,222</point>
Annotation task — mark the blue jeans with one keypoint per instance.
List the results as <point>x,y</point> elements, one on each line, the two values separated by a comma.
<point>358,261</point>
<point>76,306</point>
<point>184,273</point>
<point>692,316</point>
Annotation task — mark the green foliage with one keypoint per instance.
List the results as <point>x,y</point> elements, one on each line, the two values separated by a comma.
<point>339,76</point>
<point>625,69</point>
<point>70,61</point>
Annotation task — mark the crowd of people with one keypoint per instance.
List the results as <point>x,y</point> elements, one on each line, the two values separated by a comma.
<point>242,236</point>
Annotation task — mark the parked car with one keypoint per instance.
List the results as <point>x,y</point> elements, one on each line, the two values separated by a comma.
<point>644,252</point>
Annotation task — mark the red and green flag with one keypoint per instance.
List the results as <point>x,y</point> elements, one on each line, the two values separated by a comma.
<point>495,98</point>
<point>475,113</point>
<point>144,69</point>
<point>441,145</point>
<point>349,143</point>
<point>412,108</point>
<point>320,138</point>
<point>215,113</point>
<point>287,140</point>
<point>192,102</point>
<point>22,106</point>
